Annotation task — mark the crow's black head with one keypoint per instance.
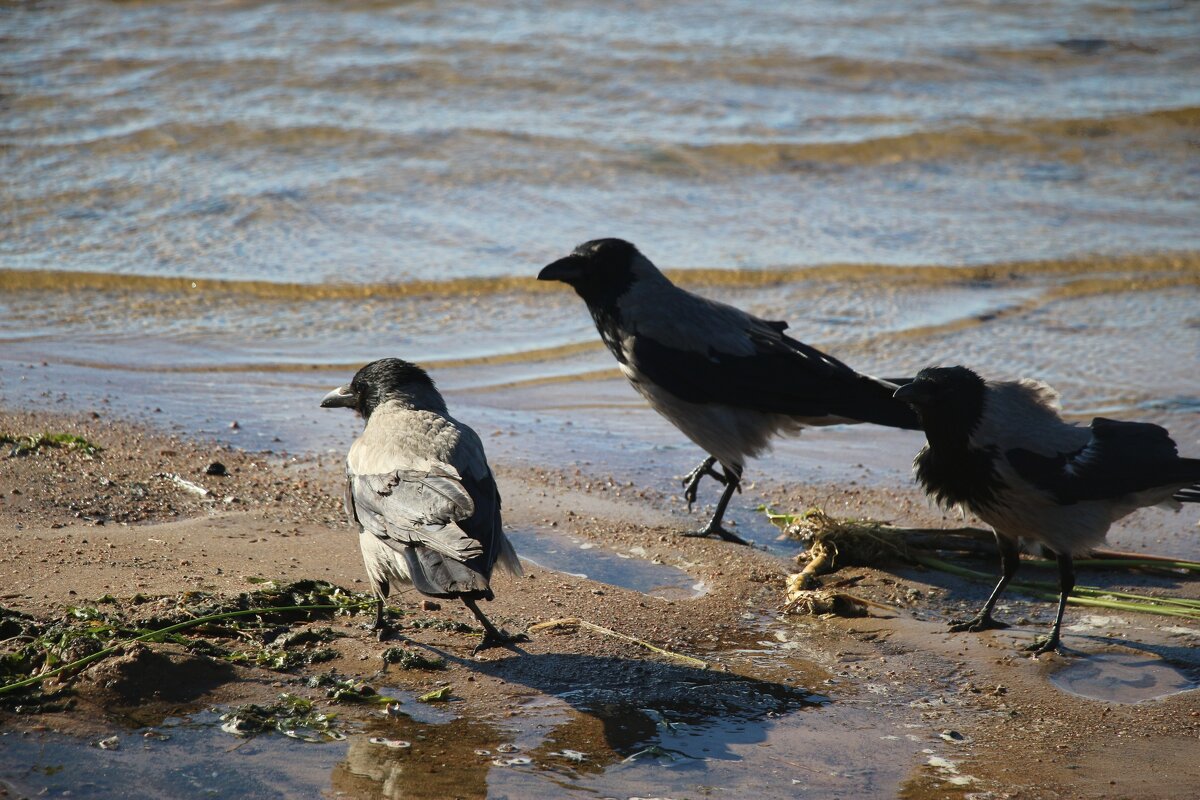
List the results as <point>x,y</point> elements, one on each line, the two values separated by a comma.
<point>383,380</point>
<point>948,401</point>
<point>600,270</point>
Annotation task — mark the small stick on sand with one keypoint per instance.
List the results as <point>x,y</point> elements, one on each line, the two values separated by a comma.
<point>568,624</point>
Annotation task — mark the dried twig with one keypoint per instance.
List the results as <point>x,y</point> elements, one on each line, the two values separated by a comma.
<point>569,624</point>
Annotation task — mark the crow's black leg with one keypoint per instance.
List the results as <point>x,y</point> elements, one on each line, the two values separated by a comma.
<point>1010,558</point>
<point>380,626</point>
<point>1066,583</point>
<point>492,636</point>
<point>733,478</point>
<point>692,482</point>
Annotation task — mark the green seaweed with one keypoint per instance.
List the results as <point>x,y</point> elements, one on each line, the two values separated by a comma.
<point>405,658</point>
<point>441,695</point>
<point>284,660</point>
<point>305,636</point>
<point>293,716</point>
<point>33,650</point>
<point>28,445</point>
<point>348,690</point>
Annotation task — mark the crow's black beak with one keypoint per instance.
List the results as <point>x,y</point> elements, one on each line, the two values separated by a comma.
<point>915,393</point>
<point>568,270</point>
<point>341,397</point>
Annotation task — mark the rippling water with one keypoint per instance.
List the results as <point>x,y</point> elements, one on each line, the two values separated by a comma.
<point>217,209</point>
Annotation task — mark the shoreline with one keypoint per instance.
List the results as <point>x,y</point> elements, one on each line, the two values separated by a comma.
<point>981,717</point>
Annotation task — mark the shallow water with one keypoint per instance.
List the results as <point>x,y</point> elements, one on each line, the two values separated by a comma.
<point>217,215</point>
<point>1123,677</point>
<point>563,552</point>
<point>676,730</point>
<point>377,142</point>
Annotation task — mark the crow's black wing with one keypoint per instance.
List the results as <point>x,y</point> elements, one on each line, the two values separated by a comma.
<point>780,375</point>
<point>1121,458</point>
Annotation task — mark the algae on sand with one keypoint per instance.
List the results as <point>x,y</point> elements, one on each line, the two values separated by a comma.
<point>294,717</point>
<point>27,445</point>
<point>207,625</point>
<point>406,658</point>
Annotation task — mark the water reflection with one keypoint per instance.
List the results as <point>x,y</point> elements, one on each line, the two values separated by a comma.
<point>611,713</point>
<point>451,759</point>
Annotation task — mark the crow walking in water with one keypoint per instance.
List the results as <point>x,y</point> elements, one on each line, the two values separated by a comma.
<point>1000,449</point>
<point>420,491</point>
<point>727,380</point>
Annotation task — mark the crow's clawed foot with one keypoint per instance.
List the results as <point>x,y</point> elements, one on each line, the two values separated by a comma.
<point>984,622</point>
<point>1044,644</point>
<point>689,494</point>
<point>498,639</point>
<point>718,531</point>
<point>382,630</point>
<point>380,626</point>
<point>692,481</point>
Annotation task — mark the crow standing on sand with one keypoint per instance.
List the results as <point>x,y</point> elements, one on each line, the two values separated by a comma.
<point>421,493</point>
<point>728,380</point>
<point>1000,449</point>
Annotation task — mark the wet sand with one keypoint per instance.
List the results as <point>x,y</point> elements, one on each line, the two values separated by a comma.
<point>884,706</point>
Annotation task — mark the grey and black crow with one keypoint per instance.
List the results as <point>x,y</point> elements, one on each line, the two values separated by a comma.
<point>420,491</point>
<point>728,380</point>
<point>1000,449</point>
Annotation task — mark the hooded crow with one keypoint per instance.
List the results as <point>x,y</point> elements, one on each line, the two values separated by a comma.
<point>727,380</point>
<point>420,491</point>
<point>1000,449</point>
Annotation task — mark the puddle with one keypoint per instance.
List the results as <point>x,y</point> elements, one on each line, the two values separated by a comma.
<point>193,757</point>
<point>632,729</point>
<point>452,759</point>
<point>634,751</point>
<point>1122,678</point>
<point>629,570</point>
<point>198,760</point>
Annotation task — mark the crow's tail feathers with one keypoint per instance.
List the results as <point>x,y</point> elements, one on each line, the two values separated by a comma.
<point>1190,471</point>
<point>872,401</point>
<point>435,575</point>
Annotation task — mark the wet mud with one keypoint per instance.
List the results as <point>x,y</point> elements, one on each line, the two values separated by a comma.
<point>787,706</point>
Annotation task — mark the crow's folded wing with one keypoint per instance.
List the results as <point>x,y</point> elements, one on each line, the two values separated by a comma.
<point>1121,458</point>
<point>416,507</point>
<point>485,525</point>
<point>775,374</point>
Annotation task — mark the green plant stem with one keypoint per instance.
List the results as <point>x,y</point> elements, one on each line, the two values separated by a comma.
<point>179,626</point>
<point>1090,591</point>
<point>1145,608</point>
<point>1082,595</point>
<point>1119,563</point>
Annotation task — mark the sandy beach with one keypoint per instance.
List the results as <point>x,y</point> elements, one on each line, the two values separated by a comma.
<point>888,705</point>
<point>212,218</point>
